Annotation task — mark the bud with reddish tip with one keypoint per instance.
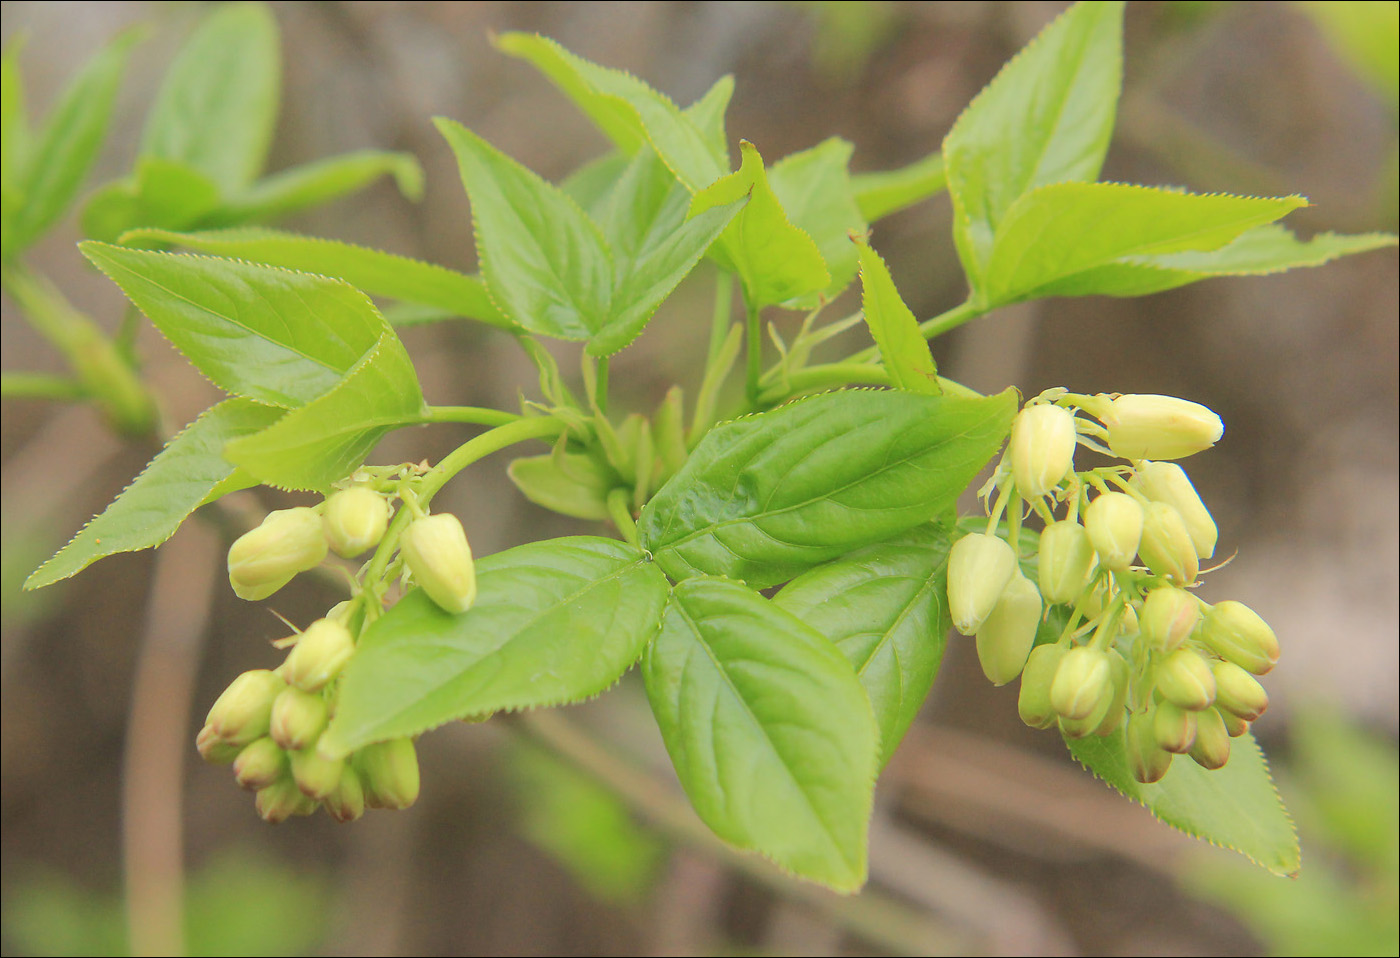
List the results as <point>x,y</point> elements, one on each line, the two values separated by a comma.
<point>1186,680</point>
<point>264,559</point>
<point>437,553</point>
<point>215,750</point>
<point>1158,427</point>
<point>1114,523</point>
<point>1042,448</point>
<point>1033,703</point>
<point>354,520</point>
<point>1166,546</point>
<point>979,568</point>
<point>1066,556</point>
<point>389,773</point>
<point>317,777</point>
<point>298,718</point>
<point>1082,681</point>
<point>1211,749</point>
<point>346,802</point>
<point>1236,633</point>
<point>1174,727</point>
<point>280,801</point>
<point>1006,636</point>
<point>1147,760</point>
<point>1169,615</point>
<point>319,655</point>
<point>244,710</point>
<point>1234,725</point>
<point>1238,692</point>
<point>1167,482</point>
<point>259,764</point>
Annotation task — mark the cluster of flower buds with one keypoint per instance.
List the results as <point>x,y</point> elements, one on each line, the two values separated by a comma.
<point>1137,646</point>
<point>267,724</point>
<point>290,541</point>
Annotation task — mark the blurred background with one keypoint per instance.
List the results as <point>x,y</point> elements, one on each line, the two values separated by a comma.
<point>987,839</point>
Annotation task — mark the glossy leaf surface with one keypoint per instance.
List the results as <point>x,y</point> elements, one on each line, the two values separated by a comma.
<point>555,621</point>
<point>766,497</point>
<point>768,728</point>
<point>884,607</point>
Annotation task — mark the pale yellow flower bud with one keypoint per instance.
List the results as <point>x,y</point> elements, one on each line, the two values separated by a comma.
<point>259,764</point>
<point>1159,427</point>
<point>354,520</point>
<point>1174,727</point>
<point>437,553</point>
<point>1238,692</point>
<point>1042,448</point>
<point>389,773</point>
<point>1082,681</point>
<point>1066,556</point>
<point>979,568</point>
<point>244,710</point>
<point>1147,760</point>
<point>1169,615</point>
<point>1033,703</point>
<point>319,655</point>
<point>1211,750</point>
<point>1006,636</point>
<point>1114,523</point>
<point>264,559</point>
<point>1167,482</point>
<point>1186,680</point>
<point>1166,547</point>
<point>1235,632</point>
<point>298,718</point>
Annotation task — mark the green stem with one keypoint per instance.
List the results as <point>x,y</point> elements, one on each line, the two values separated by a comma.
<point>541,427</point>
<point>20,385</point>
<point>754,350</point>
<point>475,415</point>
<point>621,513</point>
<point>719,321</point>
<point>600,386</point>
<point>823,377</point>
<point>95,359</point>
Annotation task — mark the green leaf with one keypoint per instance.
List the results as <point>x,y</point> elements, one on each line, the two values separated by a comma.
<point>768,728</point>
<point>545,261</point>
<point>1256,252</point>
<point>161,193</point>
<point>318,182</point>
<point>217,109</point>
<point>1045,118</point>
<point>776,261</point>
<point>654,246</point>
<point>569,483</point>
<point>590,186</point>
<point>895,330</point>
<point>271,335</point>
<point>554,622</point>
<point>62,153</point>
<point>883,608</point>
<point>887,192</point>
<point>373,271</point>
<point>16,136</point>
<point>328,438</point>
<point>177,481</point>
<point>1236,807</point>
<point>628,111</point>
<point>766,497</point>
<point>1055,232</point>
<point>814,188</point>
<point>708,115</point>
<point>571,74</point>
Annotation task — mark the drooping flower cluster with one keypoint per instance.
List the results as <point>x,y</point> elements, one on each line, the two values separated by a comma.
<point>1136,645</point>
<point>268,723</point>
